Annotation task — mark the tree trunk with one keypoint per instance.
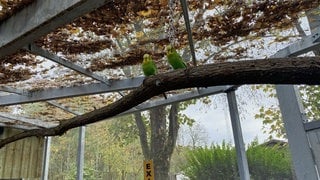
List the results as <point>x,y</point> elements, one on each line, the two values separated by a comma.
<point>142,135</point>
<point>161,167</point>
<point>158,142</point>
<point>162,139</point>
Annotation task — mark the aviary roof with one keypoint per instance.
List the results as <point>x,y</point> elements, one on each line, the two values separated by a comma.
<point>108,43</point>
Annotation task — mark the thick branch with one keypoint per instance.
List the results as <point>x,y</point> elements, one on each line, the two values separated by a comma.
<point>303,70</point>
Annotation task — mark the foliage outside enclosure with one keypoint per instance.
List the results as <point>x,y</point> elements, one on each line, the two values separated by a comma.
<point>219,162</point>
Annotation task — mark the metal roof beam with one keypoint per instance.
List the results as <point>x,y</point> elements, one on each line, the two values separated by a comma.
<point>13,90</point>
<point>161,102</point>
<point>17,126</point>
<point>32,48</point>
<point>40,18</point>
<point>65,92</point>
<point>56,104</point>
<point>306,44</point>
<point>33,122</point>
<point>142,107</point>
<point>179,98</point>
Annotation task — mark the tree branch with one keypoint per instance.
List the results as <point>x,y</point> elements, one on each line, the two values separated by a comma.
<point>302,70</point>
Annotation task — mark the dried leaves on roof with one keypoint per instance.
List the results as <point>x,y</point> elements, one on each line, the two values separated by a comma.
<point>122,31</point>
<point>10,7</point>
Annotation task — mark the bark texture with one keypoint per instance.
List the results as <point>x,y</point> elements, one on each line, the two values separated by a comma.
<point>301,70</point>
<point>162,138</point>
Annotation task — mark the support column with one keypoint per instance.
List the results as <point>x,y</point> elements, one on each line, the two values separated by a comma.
<point>293,118</point>
<point>46,158</point>
<point>237,135</point>
<point>80,156</point>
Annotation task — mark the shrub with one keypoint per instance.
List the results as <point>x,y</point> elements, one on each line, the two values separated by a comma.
<point>215,162</point>
<point>219,162</point>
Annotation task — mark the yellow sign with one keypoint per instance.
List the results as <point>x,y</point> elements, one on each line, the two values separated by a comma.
<point>148,170</point>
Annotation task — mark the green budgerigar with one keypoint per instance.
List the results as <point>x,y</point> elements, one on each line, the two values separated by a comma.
<point>174,58</point>
<point>148,65</point>
<point>149,68</point>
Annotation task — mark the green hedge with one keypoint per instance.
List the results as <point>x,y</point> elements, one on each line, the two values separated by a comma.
<point>219,162</point>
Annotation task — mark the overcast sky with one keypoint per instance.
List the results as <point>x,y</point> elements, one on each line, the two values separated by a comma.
<point>215,119</point>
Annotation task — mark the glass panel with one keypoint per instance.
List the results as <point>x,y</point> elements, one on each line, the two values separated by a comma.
<point>206,150</point>
<point>267,149</point>
<point>63,155</point>
<point>113,150</point>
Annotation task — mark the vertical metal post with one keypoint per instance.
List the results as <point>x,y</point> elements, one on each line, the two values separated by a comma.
<point>237,135</point>
<point>80,156</point>
<point>314,22</point>
<point>46,158</point>
<point>293,118</point>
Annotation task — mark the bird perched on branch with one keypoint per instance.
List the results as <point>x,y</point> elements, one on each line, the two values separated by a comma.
<point>174,58</point>
<point>149,67</point>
